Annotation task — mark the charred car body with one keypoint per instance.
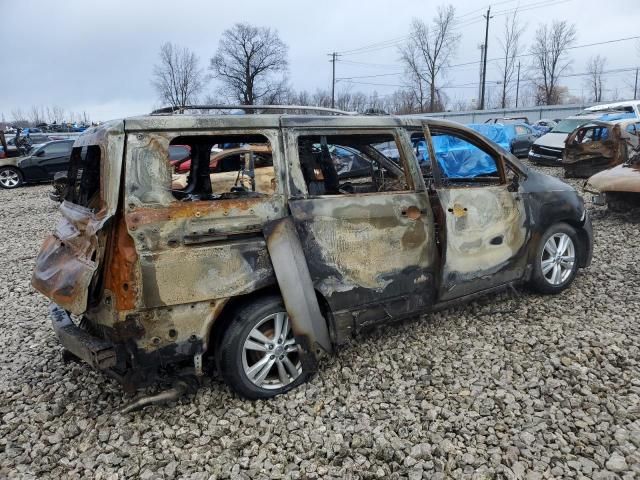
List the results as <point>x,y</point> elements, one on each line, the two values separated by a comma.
<point>597,146</point>
<point>265,274</point>
<point>619,187</point>
<point>549,148</point>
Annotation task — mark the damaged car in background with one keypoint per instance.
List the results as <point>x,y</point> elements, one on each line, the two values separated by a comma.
<point>597,146</point>
<point>549,148</point>
<point>619,187</point>
<point>292,254</point>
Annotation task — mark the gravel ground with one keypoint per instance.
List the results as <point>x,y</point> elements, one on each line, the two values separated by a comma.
<point>512,387</point>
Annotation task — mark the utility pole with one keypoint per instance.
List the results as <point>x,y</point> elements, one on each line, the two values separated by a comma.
<point>484,61</point>
<point>334,55</point>
<point>518,85</point>
<point>635,89</point>
<point>481,47</point>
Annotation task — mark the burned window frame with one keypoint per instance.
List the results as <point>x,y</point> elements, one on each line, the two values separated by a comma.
<point>77,156</point>
<point>297,184</point>
<point>248,144</point>
<point>475,139</point>
<point>153,188</point>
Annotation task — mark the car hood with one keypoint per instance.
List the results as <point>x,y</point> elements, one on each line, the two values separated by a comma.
<point>537,181</point>
<point>554,140</point>
<point>622,178</point>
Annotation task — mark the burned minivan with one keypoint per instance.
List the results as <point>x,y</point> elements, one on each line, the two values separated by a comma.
<point>302,237</point>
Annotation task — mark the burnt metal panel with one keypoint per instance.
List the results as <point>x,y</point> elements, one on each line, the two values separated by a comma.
<point>622,178</point>
<point>584,159</point>
<point>368,249</point>
<point>98,353</point>
<point>295,283</point>
<point>486,231</point>
<point>195,251</point>
<point>68,258</point>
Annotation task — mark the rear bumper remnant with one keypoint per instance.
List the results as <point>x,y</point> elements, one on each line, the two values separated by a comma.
<point>98,353</point>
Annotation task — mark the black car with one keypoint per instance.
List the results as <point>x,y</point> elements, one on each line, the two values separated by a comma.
<point>40,165</point>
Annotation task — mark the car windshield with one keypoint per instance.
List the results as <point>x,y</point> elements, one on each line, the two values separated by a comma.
<point>569,125</point>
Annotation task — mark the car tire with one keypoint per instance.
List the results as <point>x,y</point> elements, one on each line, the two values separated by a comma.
<point>556,260</point>
<point>10,177</point>
<point>252,359</point>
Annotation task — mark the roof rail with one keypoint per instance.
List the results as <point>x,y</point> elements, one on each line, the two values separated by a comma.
<point>174,110</point>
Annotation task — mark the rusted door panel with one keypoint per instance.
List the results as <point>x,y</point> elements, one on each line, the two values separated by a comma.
<point>198,250</point>
<point>485,235</point>
<point>191,274</point>
<point>368,249</point>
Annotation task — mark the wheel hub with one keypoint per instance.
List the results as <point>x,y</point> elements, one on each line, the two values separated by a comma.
<point>270,356</point>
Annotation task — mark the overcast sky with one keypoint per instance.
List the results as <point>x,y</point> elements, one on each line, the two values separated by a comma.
<point>97,56</point>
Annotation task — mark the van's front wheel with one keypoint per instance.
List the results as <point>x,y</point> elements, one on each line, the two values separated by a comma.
<point>258,356</point>
<point>556,262</point>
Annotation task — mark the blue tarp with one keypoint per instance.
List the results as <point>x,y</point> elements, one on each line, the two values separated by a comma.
<point>460,159</point>
<point>457,158</point>
<point>497,133</point>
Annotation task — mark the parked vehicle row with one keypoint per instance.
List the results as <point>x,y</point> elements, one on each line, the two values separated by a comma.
<point>39,165</point>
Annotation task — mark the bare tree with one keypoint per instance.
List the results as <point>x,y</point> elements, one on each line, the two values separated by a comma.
<point>178,78</point>
<point>549,51</point>
<point>19,119</point>
<point>510,46</point>
<point>251,63</point>
<point>36,115</point>
<point>55,114</point>
<point>428,50</point>
<point>595,68</point>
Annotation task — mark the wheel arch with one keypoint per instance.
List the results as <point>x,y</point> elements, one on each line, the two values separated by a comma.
<point>584,240</point>
<point>228,313</point>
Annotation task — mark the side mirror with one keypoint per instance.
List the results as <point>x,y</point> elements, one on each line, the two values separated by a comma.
<point>40,153</point>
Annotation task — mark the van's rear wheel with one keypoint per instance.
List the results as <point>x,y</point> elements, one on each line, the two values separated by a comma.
<point>258,356</point>
<point>556,261</point>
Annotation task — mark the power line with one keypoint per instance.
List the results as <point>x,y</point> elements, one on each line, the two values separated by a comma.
<point>374,47</point>
<point>499,82</point>
<point>522,55</point>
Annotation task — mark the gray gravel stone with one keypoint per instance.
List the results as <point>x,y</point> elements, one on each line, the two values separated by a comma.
<point>505,387</point>
<point>616,463</point>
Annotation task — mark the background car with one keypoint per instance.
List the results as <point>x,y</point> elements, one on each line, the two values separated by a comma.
<point>549,149</point>
<point>178,154</point>
<point>516,138</point>
<point>544,125</point>
<point>40,165</point>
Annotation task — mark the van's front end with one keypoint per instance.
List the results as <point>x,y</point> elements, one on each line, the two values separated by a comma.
<point>70,268</point>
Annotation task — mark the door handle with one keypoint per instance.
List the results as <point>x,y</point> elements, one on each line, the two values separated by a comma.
<point>458,210</point>
<point>411,212</point>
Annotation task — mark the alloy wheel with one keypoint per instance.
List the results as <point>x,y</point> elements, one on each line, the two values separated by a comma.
<point>9,178</point>
<point>270,356</point>
<point>558,258</point>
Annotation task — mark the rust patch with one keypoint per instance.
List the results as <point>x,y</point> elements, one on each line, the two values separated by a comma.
<point>121,274</point>
<point>146,215</point>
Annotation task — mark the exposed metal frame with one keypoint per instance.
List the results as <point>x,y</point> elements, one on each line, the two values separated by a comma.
<point>173,110</point>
